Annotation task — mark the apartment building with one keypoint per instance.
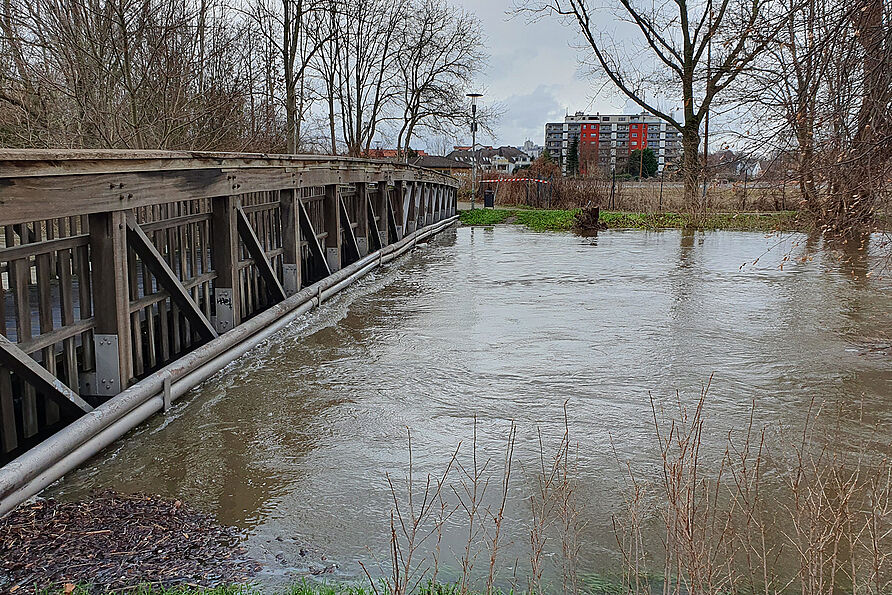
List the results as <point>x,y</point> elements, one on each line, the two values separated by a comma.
<point>605,140</point>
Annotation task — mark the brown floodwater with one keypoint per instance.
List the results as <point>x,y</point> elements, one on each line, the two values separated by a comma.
<point>293,442</point>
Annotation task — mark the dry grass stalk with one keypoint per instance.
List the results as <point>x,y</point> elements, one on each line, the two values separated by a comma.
<point>554,506</point>
<point>829,530</point>
<point>409,525</point>
<point>498,517</point>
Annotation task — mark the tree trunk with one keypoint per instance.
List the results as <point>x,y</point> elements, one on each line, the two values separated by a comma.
<point>691,168</point>
<point>859,181</point>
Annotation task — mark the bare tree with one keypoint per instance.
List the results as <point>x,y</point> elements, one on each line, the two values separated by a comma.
<point>366,44</point>
<point>822,96</point>
<point>696,49</point>
<point>125,73</point>
<point>440,51</point>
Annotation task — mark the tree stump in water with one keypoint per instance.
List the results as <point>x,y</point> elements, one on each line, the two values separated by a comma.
<point>587,219</point>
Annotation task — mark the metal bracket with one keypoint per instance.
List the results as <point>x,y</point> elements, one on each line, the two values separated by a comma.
<point>106,380</point>
<point>225,318</point>
<point>290,278</point>
<point>333,258</point>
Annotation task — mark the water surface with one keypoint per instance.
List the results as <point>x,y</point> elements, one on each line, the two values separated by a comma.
<point>292,442</point>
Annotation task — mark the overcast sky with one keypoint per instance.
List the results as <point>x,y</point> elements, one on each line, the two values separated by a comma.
<point>534,73</point>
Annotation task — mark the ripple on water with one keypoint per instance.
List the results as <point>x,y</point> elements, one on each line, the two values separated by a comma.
<point>294,440</point>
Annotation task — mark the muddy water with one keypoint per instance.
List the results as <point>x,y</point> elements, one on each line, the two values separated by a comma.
<point>292,443</point>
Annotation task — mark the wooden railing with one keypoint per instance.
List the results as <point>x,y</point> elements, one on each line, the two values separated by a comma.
<point>116,264</point>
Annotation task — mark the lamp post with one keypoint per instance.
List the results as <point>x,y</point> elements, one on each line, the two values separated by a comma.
<point>474,97</point>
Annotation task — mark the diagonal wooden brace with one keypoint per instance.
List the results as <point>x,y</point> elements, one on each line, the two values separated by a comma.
<point>306,228</point>
<point>373,224</point>
<point>252,243</point>
<point>393,229</point>
<point>153,261</point>
<point>353,245</point>
<point>22,364</point>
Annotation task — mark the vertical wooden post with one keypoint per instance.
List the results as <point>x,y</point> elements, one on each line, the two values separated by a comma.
<point>409,210</point>
<point>224,257</point>
<point>332,213</point>
<point>425,205</point>
<point>400,188</point>
<point>440,214</point>
<point>362,218</point>
<point>380,205</point>
<point>290,211</point>
<point>431,203</point>
<point>111,303</point>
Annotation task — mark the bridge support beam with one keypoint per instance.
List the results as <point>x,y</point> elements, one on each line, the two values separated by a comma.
<point>410,202</point>
<point>398,222</point>
<point>362,221</point>
<point>290,211</point>
<point>426,208</point>
<point>379,206</point>
<point>332,216</point>
<point>111,305</point>
<point>224,257</point>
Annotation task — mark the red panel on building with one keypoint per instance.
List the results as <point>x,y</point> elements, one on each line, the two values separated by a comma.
<point>637,136</point>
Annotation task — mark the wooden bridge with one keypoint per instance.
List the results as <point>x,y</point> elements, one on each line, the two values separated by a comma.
<point>127,278</point>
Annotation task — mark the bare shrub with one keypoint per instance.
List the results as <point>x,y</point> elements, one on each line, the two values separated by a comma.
<point>828,530</point>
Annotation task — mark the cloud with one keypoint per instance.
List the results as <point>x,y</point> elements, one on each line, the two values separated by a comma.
<point>525,115</point>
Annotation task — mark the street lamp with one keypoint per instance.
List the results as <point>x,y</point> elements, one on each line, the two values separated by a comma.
<point>474,97</point>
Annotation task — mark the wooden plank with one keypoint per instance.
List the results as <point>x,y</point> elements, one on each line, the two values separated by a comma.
<point>395,208</point>
<point>21,278</point>
<point>66,294</point>
<point>135,323</point>
<point>29,198</point>
<point>176,221</point>
<point>152,259</point>
<point>43,264</point>
<point>255,249</point>
<point>45,247</point>
<point>7,412</point>
<point>29,370</point>
<point>52,162</point>
<point>7,406</point>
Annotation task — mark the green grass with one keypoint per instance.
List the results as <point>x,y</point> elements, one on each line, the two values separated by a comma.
<point>484,216</point>
<point>564,220</point>
<point>553,220</point>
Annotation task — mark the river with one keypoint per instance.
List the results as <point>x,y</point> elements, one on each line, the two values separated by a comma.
<point>293,442</point>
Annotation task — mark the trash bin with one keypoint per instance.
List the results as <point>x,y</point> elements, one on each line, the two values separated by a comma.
<point>489,199</point>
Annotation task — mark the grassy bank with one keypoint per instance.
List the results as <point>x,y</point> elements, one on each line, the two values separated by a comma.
<point>563,220</point>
